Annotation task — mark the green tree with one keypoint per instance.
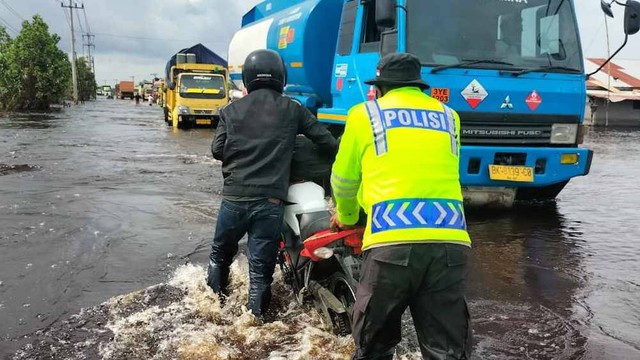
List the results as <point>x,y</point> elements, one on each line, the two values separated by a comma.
<point>38,73</point>
<point>5,44</point>
<point>87,86</point>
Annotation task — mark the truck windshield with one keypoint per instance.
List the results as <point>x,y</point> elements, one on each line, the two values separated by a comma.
<point>505,34</point>
<point>202,86</point>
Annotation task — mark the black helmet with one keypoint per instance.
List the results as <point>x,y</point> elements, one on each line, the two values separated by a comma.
<point>264,69</point>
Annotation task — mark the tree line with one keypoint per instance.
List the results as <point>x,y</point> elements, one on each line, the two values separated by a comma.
<point>35,73</point>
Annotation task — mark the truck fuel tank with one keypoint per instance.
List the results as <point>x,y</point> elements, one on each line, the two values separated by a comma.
<point>305,34</point>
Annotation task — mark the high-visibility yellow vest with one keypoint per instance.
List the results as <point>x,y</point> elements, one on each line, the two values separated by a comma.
<point>399,160</point>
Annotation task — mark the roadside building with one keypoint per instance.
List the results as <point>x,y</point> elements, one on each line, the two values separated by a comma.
<point>613,93</point>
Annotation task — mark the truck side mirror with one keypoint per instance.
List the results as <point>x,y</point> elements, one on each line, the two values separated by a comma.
<point>606,8</point>
<point>632,17</point>
<point>386,13</point>
<point>388,42</point>
<point>172,85</point>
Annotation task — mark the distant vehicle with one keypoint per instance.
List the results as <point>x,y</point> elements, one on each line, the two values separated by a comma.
<point>99,92</point>
<point>107,90</point>
<point>148,95</point>
<point>125,90</point>
<point>196,88</point>
<point>158,92</point>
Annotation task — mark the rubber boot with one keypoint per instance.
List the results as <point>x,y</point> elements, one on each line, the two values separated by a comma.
<point>218,279</point>
<point>259,299</point>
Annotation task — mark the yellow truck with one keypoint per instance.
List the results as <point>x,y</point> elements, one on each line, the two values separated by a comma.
<point>195,93</point>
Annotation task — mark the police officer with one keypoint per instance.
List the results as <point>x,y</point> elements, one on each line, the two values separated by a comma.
<point>399,159</point>
<point>255,140</point>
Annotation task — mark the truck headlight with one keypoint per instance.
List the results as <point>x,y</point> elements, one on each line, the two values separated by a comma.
<point>564,133</point>
<point>184,110</point>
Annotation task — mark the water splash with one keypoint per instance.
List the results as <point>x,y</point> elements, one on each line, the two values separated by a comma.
<point>183,319</point>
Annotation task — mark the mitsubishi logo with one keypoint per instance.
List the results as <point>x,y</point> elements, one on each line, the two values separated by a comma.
<point>507,103</point>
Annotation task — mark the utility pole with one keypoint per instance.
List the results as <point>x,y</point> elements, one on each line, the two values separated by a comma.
<point>74,70</point>
<point>90,44</point>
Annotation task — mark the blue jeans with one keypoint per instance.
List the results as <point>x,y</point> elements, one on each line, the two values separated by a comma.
<point>262,220</point>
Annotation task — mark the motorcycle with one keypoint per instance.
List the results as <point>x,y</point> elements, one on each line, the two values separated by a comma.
<point>318,264</point>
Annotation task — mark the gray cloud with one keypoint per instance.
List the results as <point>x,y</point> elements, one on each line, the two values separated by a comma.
<point>136,37</point>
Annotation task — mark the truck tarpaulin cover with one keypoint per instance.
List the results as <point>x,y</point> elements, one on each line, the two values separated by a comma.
<point>203,56</point>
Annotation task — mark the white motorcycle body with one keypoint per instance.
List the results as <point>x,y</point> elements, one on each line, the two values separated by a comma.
<point>303,198</point>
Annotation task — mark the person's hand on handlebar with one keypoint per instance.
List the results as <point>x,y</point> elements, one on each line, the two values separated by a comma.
<point>336,225</point>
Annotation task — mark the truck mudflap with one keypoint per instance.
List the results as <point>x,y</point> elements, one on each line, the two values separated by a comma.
<point>545,166</point>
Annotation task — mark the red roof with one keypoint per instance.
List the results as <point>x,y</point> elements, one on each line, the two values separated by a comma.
<point>616,71</point>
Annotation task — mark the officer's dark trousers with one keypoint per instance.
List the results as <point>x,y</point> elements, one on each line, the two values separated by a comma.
<point>262,220</point>
<point>429,279</point>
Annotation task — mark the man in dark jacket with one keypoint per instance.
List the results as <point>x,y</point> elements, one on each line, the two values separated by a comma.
<point>255,140</point>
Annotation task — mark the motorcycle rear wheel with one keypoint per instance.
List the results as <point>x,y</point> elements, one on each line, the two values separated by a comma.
<point>344,289</point>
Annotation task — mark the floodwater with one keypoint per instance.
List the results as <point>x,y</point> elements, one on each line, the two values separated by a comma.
<point>106,216</point>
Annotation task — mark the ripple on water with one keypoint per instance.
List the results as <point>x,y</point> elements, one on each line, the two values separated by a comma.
<point>514,331</point>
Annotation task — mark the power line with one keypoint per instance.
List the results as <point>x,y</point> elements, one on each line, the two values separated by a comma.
<point>66,15</point>
<point>9,27</point>
<point>79,21</point>
<point>148,38</point>
<point>86,19</point>
<point>12,10</point>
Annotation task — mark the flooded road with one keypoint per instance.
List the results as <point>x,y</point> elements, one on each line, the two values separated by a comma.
<point>103,200</point>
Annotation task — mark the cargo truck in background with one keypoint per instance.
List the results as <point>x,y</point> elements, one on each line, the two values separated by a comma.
<point>195,89</point>
<point>125,89</point>
<point>513,70</point>
<point>145,89</point>
<point>107,90</point>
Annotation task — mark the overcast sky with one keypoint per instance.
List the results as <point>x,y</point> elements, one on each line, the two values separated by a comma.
<point>136,37</point>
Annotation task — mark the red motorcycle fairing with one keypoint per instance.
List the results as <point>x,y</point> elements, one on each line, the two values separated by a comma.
<point>352,238</point>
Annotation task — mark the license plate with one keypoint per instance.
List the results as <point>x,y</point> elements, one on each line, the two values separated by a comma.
<point>511,173</point>
<point>203,121</point>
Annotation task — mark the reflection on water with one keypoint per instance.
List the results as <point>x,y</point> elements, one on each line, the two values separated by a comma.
<point>118,203</point>
<point>30,121</point>
<point>525,274</point>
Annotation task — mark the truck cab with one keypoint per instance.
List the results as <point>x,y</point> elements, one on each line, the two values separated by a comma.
<point>513,70</point>
<point>195,95</point>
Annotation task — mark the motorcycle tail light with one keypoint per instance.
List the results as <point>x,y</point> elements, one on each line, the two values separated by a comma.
<point>323,253</point>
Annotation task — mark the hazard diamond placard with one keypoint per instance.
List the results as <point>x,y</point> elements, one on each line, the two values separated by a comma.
<point>474,93</point>
<point>534,100</point>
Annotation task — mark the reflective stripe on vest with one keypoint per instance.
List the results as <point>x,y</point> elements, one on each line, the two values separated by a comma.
<point>379,133</point>
<point>451,120</point>
<point>418,213</point>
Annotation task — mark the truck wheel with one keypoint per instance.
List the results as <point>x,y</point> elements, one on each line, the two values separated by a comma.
<point>166,115</point>
<point>185,123</point>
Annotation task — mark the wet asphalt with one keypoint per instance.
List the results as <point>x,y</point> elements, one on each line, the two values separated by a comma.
<point>103,199</point>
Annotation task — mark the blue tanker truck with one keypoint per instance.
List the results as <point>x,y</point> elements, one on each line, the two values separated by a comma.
<point>513,69</point>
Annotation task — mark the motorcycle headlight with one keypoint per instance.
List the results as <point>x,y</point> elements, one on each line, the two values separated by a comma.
<point>183,110</point>
<point>564,133</point>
